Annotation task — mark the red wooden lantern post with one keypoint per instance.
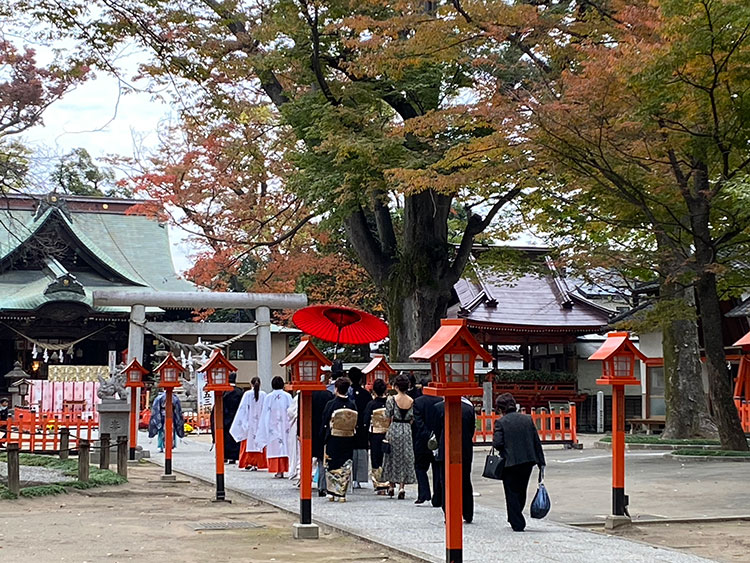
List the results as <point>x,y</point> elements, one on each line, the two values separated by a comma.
<point>134,373</point>
<point>618,355</point>
<point>306,363</point>
<point>378,368</point>
<point>742,386</point>
<point>452,352</point>
<point>217,369</point>
<point>169,377</point>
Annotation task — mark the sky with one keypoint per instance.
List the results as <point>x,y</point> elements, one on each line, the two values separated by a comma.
<point>99,117</point>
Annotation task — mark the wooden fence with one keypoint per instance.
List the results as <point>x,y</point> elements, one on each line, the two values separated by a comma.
<point>40,432</point>
<point>743,409</point>
<point>553,427</point>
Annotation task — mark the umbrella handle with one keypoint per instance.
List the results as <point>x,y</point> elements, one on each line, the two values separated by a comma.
<point>336,347</point>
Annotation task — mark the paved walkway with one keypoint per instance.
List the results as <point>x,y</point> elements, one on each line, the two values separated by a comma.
<point>418,529</point>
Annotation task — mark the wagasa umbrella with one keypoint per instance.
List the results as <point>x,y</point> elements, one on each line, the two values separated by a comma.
<point>342,325</point>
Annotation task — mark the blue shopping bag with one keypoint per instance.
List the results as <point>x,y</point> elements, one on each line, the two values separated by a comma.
<point>541,504</point>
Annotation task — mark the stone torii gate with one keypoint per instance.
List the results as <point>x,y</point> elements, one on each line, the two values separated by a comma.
<point>261,302</point>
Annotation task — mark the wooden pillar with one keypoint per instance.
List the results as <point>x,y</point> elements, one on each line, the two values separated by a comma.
<point>618,450</point>
<point>219,438</point>
<point>453,482</point>
<point>104,451</point>
<point>84,451</point>
<point>14,469</point>
<point>305,491</point>
<point>133,421</point>
<point>168,433</point>
<point>64,442</point>
<point>122,456</point>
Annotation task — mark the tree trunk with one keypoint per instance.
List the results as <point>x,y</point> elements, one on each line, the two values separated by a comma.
<point>414,316</point>
<point>723,410</point>
<point>687,408</point>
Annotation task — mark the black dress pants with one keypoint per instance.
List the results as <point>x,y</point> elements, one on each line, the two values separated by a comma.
<point>515,484</point>
<point>467,490</point>
<point>422,461</point>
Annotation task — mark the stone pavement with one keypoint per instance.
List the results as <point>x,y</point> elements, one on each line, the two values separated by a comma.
<point>418,530</point>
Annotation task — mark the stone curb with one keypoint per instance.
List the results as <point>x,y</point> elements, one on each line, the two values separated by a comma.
<point>707,458</point>
<point>655,447</point>
<point>686,520</point>
<point>322,522</point>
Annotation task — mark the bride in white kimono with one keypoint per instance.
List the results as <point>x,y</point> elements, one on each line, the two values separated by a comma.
<point>245,428</point>
<point>274,428</point>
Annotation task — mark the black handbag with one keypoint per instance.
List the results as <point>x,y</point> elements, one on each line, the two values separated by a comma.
<point>385,447</point>
<point>493,466</point>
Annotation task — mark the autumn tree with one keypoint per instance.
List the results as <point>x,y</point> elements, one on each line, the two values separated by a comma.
<point>26,91</point>
<point>386,103</point>
<point>651,115</point>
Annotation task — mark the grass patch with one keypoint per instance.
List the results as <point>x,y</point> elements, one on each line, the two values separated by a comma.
<point>637,439</point>
<point>711,453</point>
<point>69,467</point>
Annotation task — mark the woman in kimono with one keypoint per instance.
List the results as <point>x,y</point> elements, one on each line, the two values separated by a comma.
<point>377,425</point>
<point>340,422</point>
<point>274,428</point>
<point>245,428</point>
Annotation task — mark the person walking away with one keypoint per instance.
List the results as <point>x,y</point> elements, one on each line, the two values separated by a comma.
<point>377,424</point>
<point>468,427</point>
<point>398,465</point>
<point>414,390</point>
<point>319,401</point>
<point>361,398</point>
<point>273,433</point>
<point>424,457</point>
<point>517,441</point>
<point>245,427</point>
<point>157,425</point>
<point>340,418</point>
<point>231,401</point>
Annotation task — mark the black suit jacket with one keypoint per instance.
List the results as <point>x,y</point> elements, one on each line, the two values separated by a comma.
<point>423,420</point>
<point>517,440</point>
<point>319,401</point>
<point>468,427</point>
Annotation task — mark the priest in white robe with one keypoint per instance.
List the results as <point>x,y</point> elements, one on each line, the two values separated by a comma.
<point>245,428</point>
<point>274,428</point>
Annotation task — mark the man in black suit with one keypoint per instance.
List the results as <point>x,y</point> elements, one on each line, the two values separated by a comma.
<point>423,456</point>
<point>468,427</point>
<point>517,440</point>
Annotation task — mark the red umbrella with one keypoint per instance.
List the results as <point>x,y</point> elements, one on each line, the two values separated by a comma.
<point>341,325</point>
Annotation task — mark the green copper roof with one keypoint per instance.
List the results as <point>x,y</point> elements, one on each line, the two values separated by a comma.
<point>131,250</point>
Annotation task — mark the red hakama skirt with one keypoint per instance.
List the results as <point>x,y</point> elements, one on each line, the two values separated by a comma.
<point>278,464</point>
<point>251,459</point>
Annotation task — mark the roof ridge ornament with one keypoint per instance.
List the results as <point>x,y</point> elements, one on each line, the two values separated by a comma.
<point>55,201</point>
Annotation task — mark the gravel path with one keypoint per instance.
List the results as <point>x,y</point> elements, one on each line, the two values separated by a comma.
<point>31,475</point>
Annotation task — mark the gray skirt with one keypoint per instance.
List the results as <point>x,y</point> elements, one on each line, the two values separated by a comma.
<point>360,471</point>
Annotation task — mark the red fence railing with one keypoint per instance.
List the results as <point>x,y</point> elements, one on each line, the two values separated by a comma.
<point>40,432</point>
<point>743,409</point>
<point>553,427</point>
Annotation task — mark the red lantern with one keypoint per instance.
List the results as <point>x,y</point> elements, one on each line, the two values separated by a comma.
<point>134,373</point>
<point>307,364</point>
<point>452,352</point>
<point>618,355</point>
<point>169,372</point>
<point>378,368</point>
<point>217,369</point>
